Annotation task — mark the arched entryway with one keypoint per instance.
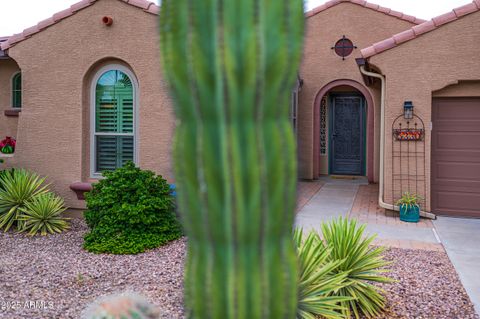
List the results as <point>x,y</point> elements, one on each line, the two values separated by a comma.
<point>343,112</point>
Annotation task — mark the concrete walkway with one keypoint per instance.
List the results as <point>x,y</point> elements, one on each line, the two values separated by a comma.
<point>336,199</point>
<point>461,239</point>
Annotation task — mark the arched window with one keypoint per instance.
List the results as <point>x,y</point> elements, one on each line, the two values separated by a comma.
<point>113,119</point>
<point>17,90</point>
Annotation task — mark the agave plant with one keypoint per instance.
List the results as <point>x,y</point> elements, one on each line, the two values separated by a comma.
<point>318,283</point>
<point>363,263</point>
<point>19,187</point>
<point>43,215</point>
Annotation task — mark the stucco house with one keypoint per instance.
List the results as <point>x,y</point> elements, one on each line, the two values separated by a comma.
<point>380,94</point>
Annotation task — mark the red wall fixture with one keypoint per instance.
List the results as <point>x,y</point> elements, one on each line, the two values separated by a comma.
<point>108,21</point>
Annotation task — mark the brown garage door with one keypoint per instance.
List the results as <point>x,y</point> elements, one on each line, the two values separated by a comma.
<point>456,156</point>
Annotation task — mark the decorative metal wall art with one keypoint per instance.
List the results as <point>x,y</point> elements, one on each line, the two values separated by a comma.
<point>323,126</point>
<point>408,158</point>
<point>408,134</point>
<point>344,47</point>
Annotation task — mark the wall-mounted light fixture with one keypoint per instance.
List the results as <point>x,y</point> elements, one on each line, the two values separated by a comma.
<point>408,110</point>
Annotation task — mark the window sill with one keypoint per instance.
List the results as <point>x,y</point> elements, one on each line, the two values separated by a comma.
<point>80,188</point>
<point>3,155</point>
<point>12,112</point>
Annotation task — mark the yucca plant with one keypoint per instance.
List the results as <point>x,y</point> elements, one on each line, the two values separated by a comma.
<point>43,214</point>
<point>318,281</point>
<point>363,263</point>
<point>18,187</point>
<point>231,66</point>
<point>409,200</point>
<point>8,171</point>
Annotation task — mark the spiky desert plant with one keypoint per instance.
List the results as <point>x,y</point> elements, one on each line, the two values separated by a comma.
<point>363,263</point>
<point>318,280</point>
<point>121,306</point>
<point>231,66</point>
<point>18,187</point>
<point>43,214</point>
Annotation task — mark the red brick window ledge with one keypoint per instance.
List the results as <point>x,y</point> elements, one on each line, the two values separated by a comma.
<point>80,188</point>
<point>12,112</point>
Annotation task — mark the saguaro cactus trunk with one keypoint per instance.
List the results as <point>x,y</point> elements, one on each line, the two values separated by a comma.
<point>231,65</point>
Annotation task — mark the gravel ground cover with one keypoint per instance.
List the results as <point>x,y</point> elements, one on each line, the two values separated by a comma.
<point>57,274</point>
<point>57,271</point>
<point>427,287</point>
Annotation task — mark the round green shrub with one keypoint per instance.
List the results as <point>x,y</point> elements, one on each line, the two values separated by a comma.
<point>129,211</point>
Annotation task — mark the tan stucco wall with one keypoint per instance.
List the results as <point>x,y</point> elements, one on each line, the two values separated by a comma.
<point>8,125</point>
<point>321,66</point>
<point>53,129</point>
<point>462,89</point>
<point>426,64</point>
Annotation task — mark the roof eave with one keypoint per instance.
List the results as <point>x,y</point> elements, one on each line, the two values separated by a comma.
<point>368,5</point>
<point>418,30</point>
<point>146,6</point>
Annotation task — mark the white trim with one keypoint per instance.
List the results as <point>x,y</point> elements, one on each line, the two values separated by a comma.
<point>436,236</point>
<point>93,86</point>
<point>11,90</point>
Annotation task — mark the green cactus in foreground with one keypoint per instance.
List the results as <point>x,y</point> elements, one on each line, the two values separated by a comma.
<point>231,66</point>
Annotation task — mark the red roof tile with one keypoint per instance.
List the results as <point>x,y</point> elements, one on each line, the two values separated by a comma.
<point>409,18</point>
<point>147,6</point>
<point>29,31</point>
<point>404,36</point>
<point>154,9</point>
<point>80,5</point>
<point>420,29</point>
<point>3,55</point>
<point>140,3</point>
<point>368,5</point>
<point>423,28</point>
<point>45,23</point>
<point>384,10</point>
<point>369,51</point>
<point>372,6</point>
<point>444,18</point>
<point>466,9</point>
<point>14,38</point>
<point>384,45</point>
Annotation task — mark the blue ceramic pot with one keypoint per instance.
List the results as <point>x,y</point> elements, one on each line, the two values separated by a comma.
<point>173,190</point>
<point>410,213</point>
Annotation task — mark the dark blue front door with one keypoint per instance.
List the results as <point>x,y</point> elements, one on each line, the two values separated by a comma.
<point>347,138</point>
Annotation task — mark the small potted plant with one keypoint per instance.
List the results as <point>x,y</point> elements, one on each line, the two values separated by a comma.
<point>409,208</point>
<point>7,145</point>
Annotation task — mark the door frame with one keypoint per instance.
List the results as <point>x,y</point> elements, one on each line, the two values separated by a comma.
<point>363,113</point>
<point>371,125</point>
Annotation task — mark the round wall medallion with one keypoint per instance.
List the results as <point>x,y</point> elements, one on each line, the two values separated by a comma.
<point>344,47</point>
